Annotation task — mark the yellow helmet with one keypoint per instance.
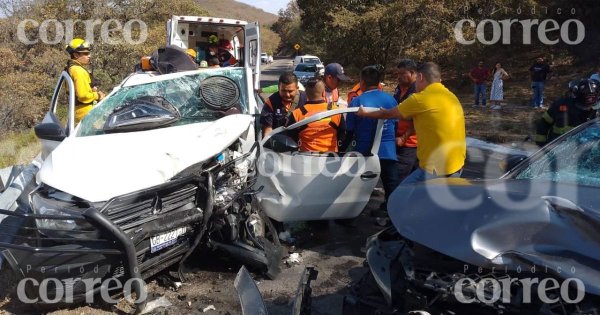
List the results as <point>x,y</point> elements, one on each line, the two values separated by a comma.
<point>78,45</point>
<point>191,52</point>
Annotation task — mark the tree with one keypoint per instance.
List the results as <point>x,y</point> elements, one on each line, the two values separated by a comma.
<point>31,69</point>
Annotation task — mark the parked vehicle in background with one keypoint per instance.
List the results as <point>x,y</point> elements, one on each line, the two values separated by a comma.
<point>305,71</point>
<point>264,58</point>
<point>309,59</point>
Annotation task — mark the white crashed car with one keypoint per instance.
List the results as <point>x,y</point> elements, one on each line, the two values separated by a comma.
<point>167,163</point>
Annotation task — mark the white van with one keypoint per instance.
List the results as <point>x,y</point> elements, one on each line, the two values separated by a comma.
<point>244,38</point>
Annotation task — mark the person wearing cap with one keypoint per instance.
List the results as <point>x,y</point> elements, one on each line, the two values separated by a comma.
<point>334,74</point>
<point>86,95</point>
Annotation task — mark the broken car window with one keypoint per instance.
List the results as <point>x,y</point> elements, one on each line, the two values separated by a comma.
<point>180,91</point>
<point>575,160</point>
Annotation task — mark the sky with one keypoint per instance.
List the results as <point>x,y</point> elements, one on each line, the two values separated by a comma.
<point>272,6</point>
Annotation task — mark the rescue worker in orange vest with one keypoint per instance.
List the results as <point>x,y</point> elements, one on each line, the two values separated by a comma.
<point>334,74</point>
<point>406,139</point>
<point>279,105</point>
<point>357,91</point>
<point>321,135</point>
<point>86,95</point>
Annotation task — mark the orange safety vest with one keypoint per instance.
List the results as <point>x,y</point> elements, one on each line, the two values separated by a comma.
<point>321,135</point>
<point>335,96</point>
<point>356,91</point>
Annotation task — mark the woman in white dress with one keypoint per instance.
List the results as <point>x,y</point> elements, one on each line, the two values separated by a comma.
<point>497,92</point>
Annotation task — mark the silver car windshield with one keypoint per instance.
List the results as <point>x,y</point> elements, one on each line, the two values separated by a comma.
<point>575,159</point>
<point>181,92</point>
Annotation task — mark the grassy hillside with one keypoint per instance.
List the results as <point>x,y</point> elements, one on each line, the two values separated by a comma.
<point>237,10</point>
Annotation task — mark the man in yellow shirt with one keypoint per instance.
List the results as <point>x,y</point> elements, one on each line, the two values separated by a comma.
<point>439,123</point>
<point>86,95</point>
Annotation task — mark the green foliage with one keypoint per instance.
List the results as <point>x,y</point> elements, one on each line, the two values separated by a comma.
<point>361,32</point>
<point>28,72</point>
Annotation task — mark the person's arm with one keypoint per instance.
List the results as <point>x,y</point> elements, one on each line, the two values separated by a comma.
<point>266,131</point>
<point>83,90</point>
<point>380,114</point>
<point>266,120</point>
<point>471,76</point>
<point>401,139</point>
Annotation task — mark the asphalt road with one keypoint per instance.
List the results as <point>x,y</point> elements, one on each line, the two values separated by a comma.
<point>269,74</point>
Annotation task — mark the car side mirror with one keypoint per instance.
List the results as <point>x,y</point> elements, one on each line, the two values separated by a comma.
<point>511,161</point>
<point>281,143</point>
<point>50,131</point>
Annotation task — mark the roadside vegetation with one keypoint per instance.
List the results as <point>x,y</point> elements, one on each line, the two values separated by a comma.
<point>366,32</point>
<point>28,72</point>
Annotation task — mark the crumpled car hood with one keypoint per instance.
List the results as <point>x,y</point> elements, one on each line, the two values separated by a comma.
<point>506,223</point>
<point>97,168</point>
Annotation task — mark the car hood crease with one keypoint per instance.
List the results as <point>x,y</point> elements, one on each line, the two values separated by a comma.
<point>504,223</point>
<point>97,168</point>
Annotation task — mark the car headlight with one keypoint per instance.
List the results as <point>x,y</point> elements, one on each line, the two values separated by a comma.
<point>42,204</point>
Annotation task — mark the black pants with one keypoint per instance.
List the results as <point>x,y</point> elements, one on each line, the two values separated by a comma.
<point>407,161</point>
<point>389,177</point>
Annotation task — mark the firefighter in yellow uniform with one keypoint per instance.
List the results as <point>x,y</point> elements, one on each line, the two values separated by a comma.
<point>86,95</point>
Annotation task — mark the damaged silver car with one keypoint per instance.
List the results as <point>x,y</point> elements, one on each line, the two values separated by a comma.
<point>526,243</point>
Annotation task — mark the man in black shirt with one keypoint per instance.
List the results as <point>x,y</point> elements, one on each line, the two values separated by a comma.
<point>539,73</point>
<point>280,104</point>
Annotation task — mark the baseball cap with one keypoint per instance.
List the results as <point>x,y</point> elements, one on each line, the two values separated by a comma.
<point>337,70</point>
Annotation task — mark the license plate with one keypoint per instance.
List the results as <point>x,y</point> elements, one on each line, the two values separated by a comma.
<point>164,240</point>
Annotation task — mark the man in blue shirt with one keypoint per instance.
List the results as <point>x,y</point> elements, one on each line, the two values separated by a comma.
<point>363,129</point>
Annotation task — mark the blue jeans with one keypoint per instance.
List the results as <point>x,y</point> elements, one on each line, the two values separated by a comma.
<point>538,93</point>
<point>420,175</point>
<point>480,90</point>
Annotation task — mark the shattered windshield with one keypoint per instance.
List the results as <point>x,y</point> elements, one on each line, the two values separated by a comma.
<point>575,160</point>
<point>183,93</point>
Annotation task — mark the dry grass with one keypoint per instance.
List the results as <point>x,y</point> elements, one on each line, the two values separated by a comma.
<point>18,148</point>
